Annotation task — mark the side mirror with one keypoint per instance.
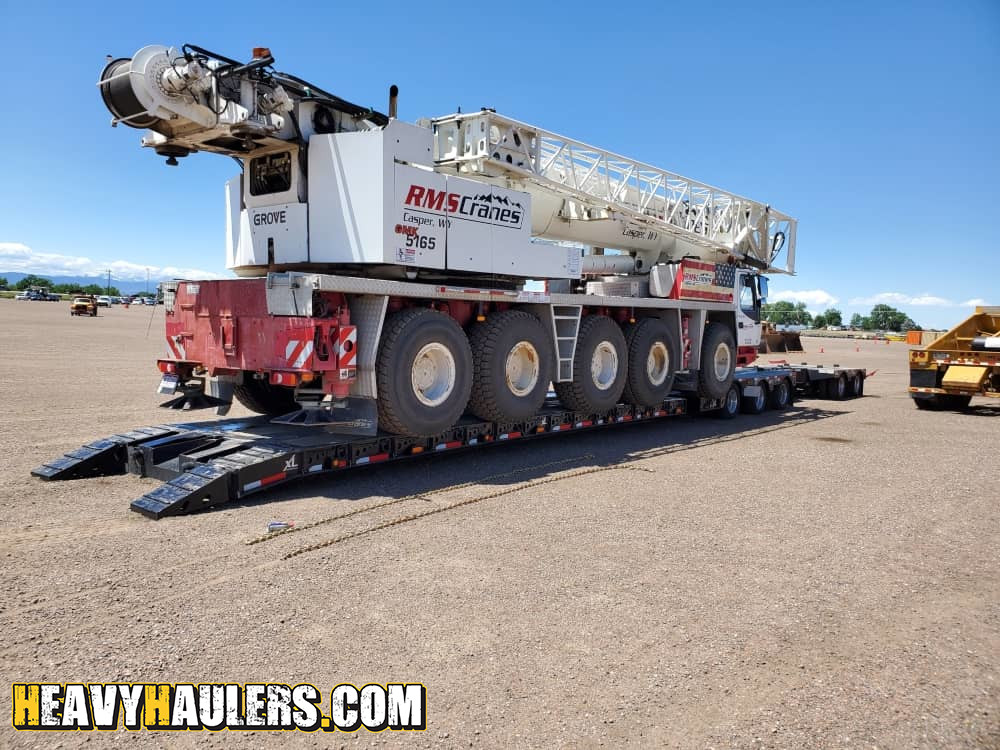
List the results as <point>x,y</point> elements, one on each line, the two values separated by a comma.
<point>762,288</point>
<point>777,242</point>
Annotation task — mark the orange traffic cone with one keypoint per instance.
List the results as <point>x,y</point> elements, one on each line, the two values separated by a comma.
<point>821,350</point>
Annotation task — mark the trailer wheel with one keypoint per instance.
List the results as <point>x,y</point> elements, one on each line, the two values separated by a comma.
<point>780,395</point>
<point>755,404</point>
<point>730,403</point>
<point>718,361</point>
<point>264,398</point>
<point>951,401</point>
<point>423,372</point>
<point>650,375</point>
<point>855,385</point>
<point>928,404</point>
<point>512,366</point>
<point>836,388</point>
<point>599,367</point>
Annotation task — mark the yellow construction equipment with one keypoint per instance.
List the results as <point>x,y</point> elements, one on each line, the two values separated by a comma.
<point>773,340</point>
<point>963,363</point>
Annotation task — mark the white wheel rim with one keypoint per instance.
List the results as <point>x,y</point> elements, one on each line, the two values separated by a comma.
<point>433,374</point>
<point>732,400</point>
<point>761,399</point>
<point>657,363</point>
<point>722,362</point>
<point>604,365</point>
<point>522,368</point>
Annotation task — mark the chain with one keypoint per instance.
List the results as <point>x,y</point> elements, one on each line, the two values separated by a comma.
<point>419,496</point>
<point>461,503</point>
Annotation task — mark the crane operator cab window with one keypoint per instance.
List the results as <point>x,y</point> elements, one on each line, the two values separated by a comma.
<point>749,301</point>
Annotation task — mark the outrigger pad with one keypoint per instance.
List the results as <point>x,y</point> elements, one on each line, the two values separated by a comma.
<point>359,416</point>
<point>195,399</point>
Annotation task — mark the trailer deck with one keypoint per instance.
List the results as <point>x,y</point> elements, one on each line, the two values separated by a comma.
<point>207,464</point>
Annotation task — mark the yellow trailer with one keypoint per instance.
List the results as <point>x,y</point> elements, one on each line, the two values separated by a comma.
<point>963,363</point>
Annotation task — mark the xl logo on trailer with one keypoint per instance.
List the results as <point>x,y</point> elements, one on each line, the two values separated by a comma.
<point>486,208</point>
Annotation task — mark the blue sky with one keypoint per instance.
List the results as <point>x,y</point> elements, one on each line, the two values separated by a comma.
<point>875,124</point>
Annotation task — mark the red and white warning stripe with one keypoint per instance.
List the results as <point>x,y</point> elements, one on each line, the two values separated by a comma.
<point>297,353</point>
<point>175,347</point>
<point>347,346</point>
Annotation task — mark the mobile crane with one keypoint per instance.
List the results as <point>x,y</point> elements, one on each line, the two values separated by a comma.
<point>393,277</point>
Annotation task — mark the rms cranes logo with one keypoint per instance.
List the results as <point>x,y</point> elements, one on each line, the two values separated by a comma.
<point>487,208</point>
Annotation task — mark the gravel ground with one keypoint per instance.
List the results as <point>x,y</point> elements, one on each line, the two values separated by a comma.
<point>827,577</point>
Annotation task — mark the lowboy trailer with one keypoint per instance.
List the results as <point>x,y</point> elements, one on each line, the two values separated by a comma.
<point>206,464</point>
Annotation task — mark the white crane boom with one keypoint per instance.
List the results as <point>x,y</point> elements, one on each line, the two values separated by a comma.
<point>585,194</point>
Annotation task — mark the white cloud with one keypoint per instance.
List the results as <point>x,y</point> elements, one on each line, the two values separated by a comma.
<point>15,256</point>
<point>897,298</point>
<point>915,300</point>
<point>814,298</point>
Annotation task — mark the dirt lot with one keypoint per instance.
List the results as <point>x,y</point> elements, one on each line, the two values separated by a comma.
<point>828,577</point>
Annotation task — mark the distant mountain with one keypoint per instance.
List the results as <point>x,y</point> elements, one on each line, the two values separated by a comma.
<point>123,285</point>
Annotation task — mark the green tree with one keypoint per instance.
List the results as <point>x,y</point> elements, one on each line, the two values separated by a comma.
<point>834,317</point>
<point>820,321</point>
<point>786,313</point>
<point>31,280</point>
<point>3,282</point>
<point>885,318</point>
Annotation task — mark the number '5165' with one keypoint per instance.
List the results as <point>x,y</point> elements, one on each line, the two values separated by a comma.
<point>424,243</point>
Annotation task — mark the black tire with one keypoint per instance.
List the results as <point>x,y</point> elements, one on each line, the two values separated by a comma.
<point>645,339</point>
<point>582,393</point>
<point>836,388</point>
<point>716,336</point>
<point>855,385</point>
<point>493,342</point>
<point>781,395</point>
<point>957,403</point>
<point>928,404</point>
<point>755,404</point>
<point>264,398</point>
<point>730,403</point>
<point>405,335</point>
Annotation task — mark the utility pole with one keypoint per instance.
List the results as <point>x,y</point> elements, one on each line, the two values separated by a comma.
<point>109,282</point>
<point>147,282</point>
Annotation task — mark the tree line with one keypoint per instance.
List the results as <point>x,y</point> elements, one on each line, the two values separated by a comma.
<point>31,280</point>
<point>881,317</point>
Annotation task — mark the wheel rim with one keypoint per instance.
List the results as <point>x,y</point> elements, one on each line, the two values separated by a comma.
<point>433,374</point>
<point>856,383</point>
<point>732,400</point>
<point>604,365</point>
<point>761,399</point>
<point>522,368</point>
<point>782,395</point>
<point>841,386</point>
<point>657,363</point>
<point>722,361</point>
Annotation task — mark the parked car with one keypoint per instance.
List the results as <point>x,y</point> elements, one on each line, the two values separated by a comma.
<point>148,301</point>
<point>83,306</point>
<point>104,301</point>
<point>22,296</point>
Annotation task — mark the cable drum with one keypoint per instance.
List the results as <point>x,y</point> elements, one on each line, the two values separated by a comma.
<point>119,96</point>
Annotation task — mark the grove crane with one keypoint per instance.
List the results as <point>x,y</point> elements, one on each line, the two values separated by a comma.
<point>384,266</point>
